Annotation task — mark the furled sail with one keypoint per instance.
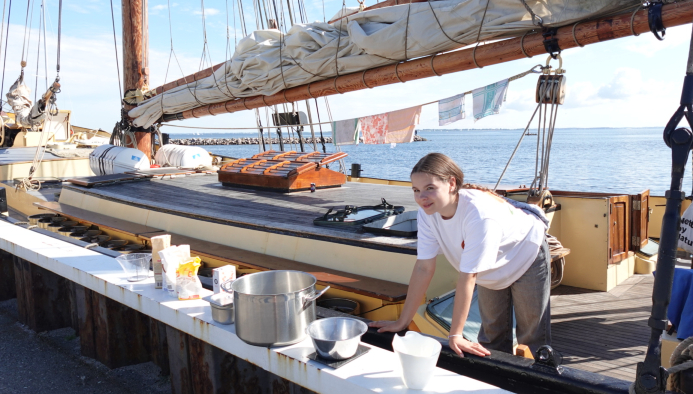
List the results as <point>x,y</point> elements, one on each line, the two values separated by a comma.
<point>268,61</point>
<point>26,115</point>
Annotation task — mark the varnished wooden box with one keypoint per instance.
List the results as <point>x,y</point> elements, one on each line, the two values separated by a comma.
<point>284,172</point>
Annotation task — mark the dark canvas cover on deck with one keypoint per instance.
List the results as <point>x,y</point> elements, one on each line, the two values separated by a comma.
<point>283,171</point>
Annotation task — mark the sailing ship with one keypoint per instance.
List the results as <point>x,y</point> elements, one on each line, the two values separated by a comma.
<point>232,218</point>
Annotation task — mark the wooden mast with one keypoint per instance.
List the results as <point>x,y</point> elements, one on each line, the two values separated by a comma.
<point>136,59</point>
<point>585,33</point>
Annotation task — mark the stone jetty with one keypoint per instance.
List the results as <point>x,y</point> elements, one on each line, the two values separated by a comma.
<point>254,141</point>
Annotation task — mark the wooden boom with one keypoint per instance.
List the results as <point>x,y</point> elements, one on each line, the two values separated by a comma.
<point>586,33</point>
<point>49,93</point>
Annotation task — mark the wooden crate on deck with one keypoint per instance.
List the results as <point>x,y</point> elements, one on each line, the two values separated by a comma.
<point>283,171</point>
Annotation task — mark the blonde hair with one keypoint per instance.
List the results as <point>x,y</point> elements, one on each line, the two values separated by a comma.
<point>444,168</point>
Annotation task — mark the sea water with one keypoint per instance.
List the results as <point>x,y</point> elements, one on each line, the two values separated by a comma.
<point>588,160</point>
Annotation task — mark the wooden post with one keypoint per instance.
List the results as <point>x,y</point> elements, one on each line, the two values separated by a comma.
<point>121,333</point>
<point>136,59</point>
<point>177,341</point>
<point>159,345</point>
<point>200,368</point>
<point>44,299</point>
<point>8,288</point>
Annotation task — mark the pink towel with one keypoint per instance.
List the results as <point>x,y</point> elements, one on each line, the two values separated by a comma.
<point>374,129</point>
<point>401,125</point>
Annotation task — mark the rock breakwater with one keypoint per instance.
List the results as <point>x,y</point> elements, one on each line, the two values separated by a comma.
<point>254,141</point>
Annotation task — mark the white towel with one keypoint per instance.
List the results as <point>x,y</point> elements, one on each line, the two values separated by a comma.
<point>488,100</point>
<point>345,132</point>
<point>451,109</point>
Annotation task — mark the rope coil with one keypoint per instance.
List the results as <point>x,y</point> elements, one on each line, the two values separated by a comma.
<point>681,360</point>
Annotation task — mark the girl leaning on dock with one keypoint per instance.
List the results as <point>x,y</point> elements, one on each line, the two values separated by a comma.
<point>492,244</point>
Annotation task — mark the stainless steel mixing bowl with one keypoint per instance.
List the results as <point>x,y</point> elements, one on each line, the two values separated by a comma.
<point>336,338</point>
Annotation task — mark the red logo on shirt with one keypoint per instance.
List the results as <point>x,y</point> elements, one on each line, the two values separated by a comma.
<point>462,244</point>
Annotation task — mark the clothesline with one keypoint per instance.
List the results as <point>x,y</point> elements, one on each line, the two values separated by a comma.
<point>513,78</point>
<point>246,128</point>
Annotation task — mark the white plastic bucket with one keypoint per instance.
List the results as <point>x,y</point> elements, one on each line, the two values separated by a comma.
<point>183,156</point>
<point>418,356</point>
<point>111,159</point>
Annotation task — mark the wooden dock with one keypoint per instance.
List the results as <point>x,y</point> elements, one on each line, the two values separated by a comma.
<point>604,332</point>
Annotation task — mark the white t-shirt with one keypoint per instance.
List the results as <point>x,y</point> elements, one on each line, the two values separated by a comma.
<point>488,237</point>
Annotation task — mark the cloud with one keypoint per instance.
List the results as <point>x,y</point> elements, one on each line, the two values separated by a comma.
<point>208,12</point>
<point>159,7</point>
<point>650,46</point>
<point>626,83</point>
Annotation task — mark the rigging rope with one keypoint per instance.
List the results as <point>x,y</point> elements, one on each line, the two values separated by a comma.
<point>60,24</point>
<point>38,56</point>
<point>51,111</point>
<point>322,137</point>
<point>24,40</point>
<point>4,63</point>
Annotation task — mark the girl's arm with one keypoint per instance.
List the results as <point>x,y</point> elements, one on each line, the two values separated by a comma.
<point>460,311</point>
<point>418,283</point>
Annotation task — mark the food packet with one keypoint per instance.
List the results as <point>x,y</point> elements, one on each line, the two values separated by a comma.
<point>159,243</point>
<point>221,275</point>
<point>188,285</point>
<point>171,258</point>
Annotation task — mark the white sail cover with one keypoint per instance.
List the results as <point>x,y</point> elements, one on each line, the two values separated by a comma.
<point>261,66</point>
<point>25,114</point>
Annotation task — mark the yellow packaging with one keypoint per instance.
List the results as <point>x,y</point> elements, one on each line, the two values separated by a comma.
<point>188,286</point>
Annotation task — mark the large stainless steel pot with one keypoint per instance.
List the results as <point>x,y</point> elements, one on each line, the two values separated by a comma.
<point>274,308</point>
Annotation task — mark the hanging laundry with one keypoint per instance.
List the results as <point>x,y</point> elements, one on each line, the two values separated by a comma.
<point>401,124</point>
<point>451,109</point>
<point>374,129</point>
<point>345,132</point>
<point>488,100</point>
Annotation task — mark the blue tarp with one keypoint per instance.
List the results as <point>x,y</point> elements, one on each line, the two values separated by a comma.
<point>680,310</point>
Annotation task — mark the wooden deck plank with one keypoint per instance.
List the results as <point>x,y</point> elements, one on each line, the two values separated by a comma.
<point>603,332</point>
<point>291,214</point>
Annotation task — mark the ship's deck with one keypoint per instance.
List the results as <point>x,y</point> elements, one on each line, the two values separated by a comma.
<point>604,332</point>
<point>26,155</point>
<point>203,197</point>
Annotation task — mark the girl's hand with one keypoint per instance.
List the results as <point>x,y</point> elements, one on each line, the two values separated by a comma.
<point>460,346</point>
<point>388,326</point>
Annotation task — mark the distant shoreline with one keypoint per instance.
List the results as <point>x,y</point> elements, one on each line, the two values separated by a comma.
<point>218,131</point>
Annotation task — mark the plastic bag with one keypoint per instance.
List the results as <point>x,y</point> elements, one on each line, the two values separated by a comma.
<point>188,285</point>
<point>171,258</point>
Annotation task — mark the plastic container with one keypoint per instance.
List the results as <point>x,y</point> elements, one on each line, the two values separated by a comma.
<point>222,307</point>
<point>182,156</point>
<point>418,356</point>
<point>135,265</point>
<point>110,159</point>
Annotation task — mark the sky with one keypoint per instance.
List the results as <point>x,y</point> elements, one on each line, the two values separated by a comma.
<point>629,82</point>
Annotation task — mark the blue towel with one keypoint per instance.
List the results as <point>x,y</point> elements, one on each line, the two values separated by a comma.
<point>680,310</point>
